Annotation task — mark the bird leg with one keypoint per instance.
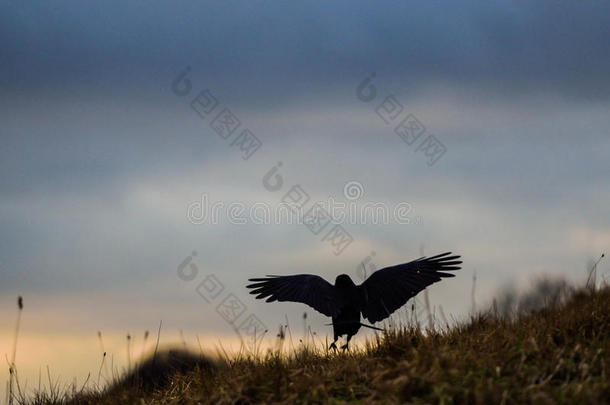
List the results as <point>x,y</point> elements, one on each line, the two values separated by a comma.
<point>333,345</point>
<point>346,345</point>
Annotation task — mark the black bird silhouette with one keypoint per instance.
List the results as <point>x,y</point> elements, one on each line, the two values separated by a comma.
<point>376,298</point>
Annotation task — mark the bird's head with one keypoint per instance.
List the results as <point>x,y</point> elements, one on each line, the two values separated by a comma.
<point>343,280</point>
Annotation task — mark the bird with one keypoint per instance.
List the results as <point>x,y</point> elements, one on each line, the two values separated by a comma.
<point>382,293</point>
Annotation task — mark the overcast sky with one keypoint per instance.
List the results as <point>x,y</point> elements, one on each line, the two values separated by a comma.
<point>100,158</point>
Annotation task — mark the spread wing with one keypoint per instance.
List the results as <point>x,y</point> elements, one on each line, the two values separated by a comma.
<point>306,288</point>
<point>390,288</point>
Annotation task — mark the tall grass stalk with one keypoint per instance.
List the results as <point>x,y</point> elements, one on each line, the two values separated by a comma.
<point>473,292</point>
<point>12,370</point>
<point>593,274</point>
<point>128,352</point>
<point>158,337</point>
<point>146,333</point>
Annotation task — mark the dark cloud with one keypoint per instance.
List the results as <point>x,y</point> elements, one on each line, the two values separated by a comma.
<point>99,158</point>
<point>285,48</point>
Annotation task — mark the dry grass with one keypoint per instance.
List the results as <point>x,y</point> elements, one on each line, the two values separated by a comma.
<point>558,354</point>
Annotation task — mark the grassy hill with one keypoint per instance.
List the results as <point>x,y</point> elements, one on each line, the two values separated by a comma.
<point>558,354</point>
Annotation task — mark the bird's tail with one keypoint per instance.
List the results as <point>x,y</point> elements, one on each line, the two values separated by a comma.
<point>360,323</point>
<point>371,327</point>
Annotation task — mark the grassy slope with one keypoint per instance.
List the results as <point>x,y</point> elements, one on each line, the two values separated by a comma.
<point>552,356</point>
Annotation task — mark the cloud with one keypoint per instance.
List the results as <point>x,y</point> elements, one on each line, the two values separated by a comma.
<point>100,160</point>
<point>282,50</point>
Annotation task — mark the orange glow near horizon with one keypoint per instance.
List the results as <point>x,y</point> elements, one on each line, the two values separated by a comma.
<point>76,358</point>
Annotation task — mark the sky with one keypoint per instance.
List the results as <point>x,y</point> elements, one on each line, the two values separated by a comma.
<point>108,150</point>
